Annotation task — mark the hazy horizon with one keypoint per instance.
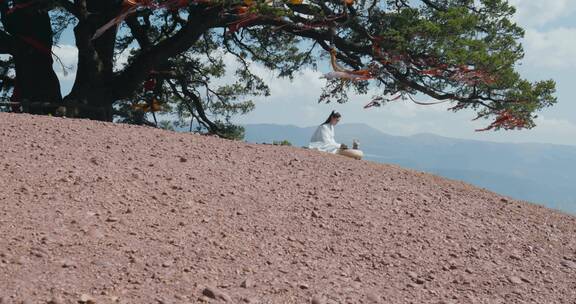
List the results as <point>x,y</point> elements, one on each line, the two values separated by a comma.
<point>503,141</point>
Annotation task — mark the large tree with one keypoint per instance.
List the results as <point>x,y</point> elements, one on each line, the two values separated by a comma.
<point>458,51</point>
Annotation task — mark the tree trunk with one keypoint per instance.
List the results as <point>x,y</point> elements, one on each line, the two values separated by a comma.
<point>90,97</point>
<point>37,83</point>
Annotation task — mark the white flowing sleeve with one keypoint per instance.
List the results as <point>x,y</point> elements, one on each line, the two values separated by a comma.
<point>323,140</point>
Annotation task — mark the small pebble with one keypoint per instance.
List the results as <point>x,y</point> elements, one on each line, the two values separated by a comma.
<point>568,264</point>
<point>167,264</point>
<point>56,300</point>
<point>84,298</point>
<point>68,264</point>
<point>318,300</point>
<point>214,293</point>
<point>248,283</point>
<point>373,298</point>
<point>112,219</point>
<point>514,280</point>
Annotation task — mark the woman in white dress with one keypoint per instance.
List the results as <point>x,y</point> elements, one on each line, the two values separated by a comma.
<point>323,138</point>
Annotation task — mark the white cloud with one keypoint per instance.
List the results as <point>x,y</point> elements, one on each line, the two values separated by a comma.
<point>555,49</point>
<point>541,12</point>
<point>121,60</point>
<point>545,46</point>
<point>295,102</point>
<point>65,62</point>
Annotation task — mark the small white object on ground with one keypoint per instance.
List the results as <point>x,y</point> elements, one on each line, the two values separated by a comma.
<point>357,154</point>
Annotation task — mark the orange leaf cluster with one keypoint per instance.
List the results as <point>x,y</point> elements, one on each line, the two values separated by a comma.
<point>153,106</point>
<point>506,120</point>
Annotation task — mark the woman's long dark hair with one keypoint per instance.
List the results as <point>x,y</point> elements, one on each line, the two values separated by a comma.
<point>334,114</point>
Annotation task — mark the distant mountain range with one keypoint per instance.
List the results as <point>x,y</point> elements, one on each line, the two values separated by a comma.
<point>538,173</point>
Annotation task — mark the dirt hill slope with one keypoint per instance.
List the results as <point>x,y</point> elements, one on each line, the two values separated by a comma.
<point>108,213</point>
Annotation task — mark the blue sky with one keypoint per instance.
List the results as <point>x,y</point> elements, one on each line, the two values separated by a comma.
<point>550,46</point>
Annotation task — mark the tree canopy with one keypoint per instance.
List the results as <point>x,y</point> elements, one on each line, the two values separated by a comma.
<point>460,51</point>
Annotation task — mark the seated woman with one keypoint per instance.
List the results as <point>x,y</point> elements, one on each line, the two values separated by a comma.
<point>323,138</point>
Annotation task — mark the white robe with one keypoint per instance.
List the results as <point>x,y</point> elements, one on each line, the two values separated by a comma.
<point>323,139</point>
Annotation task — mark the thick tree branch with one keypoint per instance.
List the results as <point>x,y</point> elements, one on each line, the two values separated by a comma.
<point>81,10</point>
<point>199,21</point>
<point>197,105</point>
<point>6,43</point>
<point>425,90</point>
<point>316,34</point>
<point>188,105</point>
<point>434,5</point>
<point>139,32</point>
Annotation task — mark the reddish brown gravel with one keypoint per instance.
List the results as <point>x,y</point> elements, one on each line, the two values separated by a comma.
<point>94,212</point>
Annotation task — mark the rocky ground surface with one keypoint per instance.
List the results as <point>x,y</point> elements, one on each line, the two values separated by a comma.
<point>94,212</point>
